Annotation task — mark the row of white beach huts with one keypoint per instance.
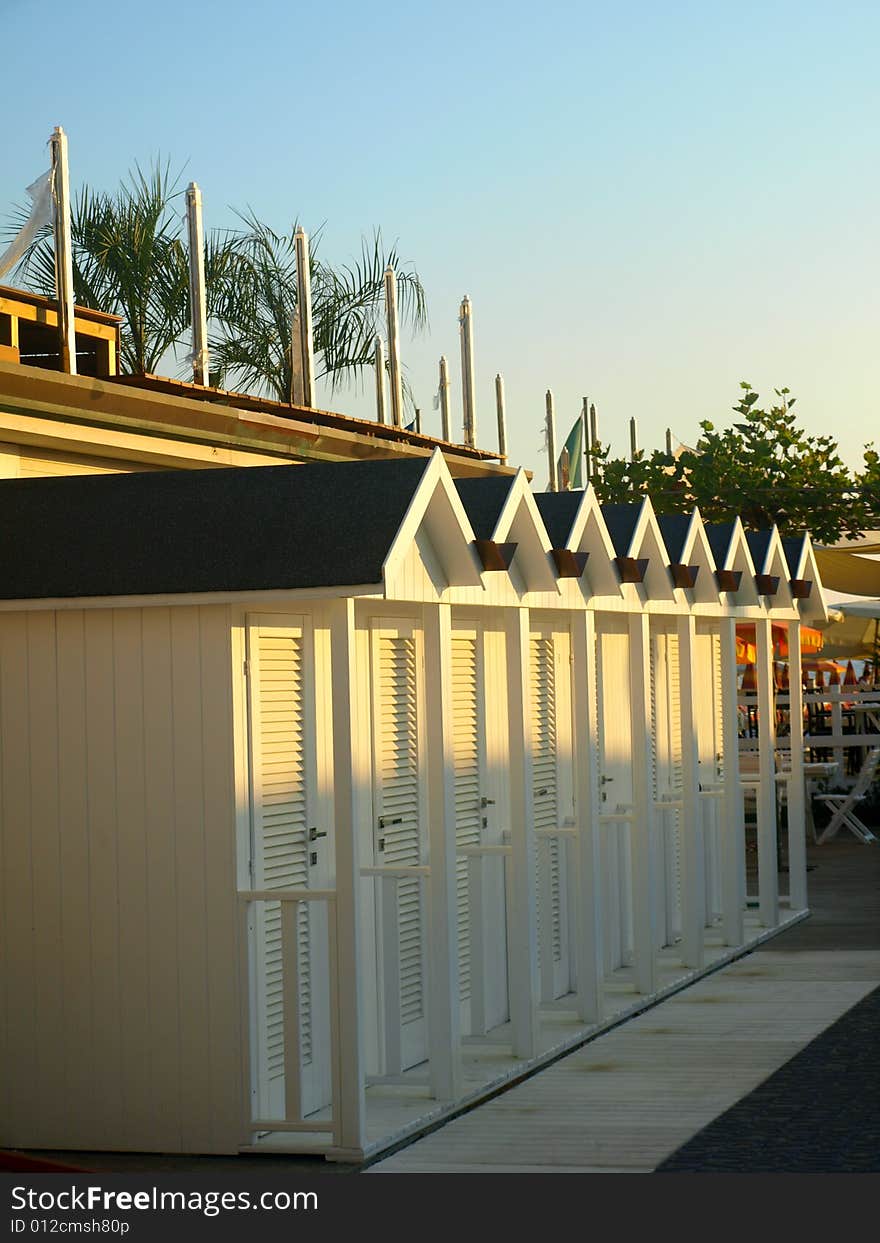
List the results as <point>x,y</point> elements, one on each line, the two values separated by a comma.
<point>333,794</point>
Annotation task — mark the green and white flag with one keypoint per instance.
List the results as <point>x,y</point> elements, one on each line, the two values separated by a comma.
<point>571,459</point>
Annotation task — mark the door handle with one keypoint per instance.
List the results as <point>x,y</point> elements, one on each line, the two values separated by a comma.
<point>386,820</point>
<point>540,793</point>
<point>314,835</point>
<point>603,780</point>
<point>487,802</point>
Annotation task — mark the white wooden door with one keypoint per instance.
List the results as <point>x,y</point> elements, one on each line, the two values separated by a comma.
<point>711,749</point>
<point>397,680</point>
<point>615,781</point>
<point>480,892</point>
<point>668,778</point>
<point>551,734</point>
<point>289,850</point>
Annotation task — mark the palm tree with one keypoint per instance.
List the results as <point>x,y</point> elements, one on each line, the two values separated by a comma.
<point>254,305</point>
<point>129,258</point>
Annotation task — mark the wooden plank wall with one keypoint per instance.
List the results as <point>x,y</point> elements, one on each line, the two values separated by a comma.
<point>119,1027</point>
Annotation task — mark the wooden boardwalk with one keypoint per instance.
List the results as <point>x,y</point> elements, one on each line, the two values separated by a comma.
<point>631,1097</point>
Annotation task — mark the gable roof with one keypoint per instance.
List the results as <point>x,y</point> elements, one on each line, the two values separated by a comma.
<point>719,535</point>
<point>238,529</point>
<point>482,504</point>
<point>558,511</point>
<point>759,545</point>
<point>674,528</point>
<point>621,521</point>
<point>793,547</point>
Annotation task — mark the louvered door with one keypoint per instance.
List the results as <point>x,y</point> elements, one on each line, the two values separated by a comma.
<point>615,779</point>
<point>468,751</point>
<point>283,791</point>
<point>399,836</point>
<point>482,943</point>
<point>668,774</point>
<point>550,681</point>
<point>710,750</point>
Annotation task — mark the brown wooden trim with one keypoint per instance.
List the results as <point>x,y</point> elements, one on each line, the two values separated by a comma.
<point>728,580</point>
<point>494,556</point>
<point>767,584</point>
<point>801,588</point>
<point>569,564</point>
<point>684,575</point>
<point>631,569</point>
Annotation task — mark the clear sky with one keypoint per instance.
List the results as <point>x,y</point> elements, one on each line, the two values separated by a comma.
<point>646,202</point>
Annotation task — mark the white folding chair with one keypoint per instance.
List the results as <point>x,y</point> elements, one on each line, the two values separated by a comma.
<point>842,805</point>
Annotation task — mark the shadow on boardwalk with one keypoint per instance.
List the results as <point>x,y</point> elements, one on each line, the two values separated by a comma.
<point>820,1112</point>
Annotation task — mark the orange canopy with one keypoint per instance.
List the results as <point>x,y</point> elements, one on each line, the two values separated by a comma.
<point>746,652</point>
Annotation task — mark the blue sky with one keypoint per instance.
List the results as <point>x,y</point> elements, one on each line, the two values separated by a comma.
<point>646,202</point>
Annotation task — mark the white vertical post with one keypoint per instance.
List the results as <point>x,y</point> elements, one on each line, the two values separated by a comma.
<point>290,1009</point>
<point>395,377</point>
<point>644,899</point>
<point>348,766</point>
<point>391,982</point>
<point>502,425</point>
<point>379,364</point>
<point>551,441</point>
<point>588,457</point>
<point>444,1002</point>
<point>588,861</point>
<point>594,440</point>
<point>733,896</point>
<point>480,968</point>
<point>768,879</point>
<point>693,896</point>
<point>523,935</point>
<point>198,308</point>
<point>797,838</point>
<point>633,440</point>
<point>304,306</point>
<point>63,251</point>
<point>466,323</point>
<point>445,426</point>
<point>835,697</point>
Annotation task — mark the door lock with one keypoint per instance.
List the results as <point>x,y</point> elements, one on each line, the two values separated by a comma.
<point>313,858</point>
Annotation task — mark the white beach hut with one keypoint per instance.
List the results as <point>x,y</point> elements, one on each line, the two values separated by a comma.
<point>335,796</point>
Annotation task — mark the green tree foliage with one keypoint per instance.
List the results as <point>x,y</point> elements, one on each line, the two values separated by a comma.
<point>870,484</point>
<point>130,259</point>
<point>764,468</point>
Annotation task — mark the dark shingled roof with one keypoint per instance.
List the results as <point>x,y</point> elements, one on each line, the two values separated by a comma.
<point>558,509</point>
<point>792,546</point>
<point>483,501</point>
<point>758,542</point>
<point>674,529</point>
<point>621,523</point>
<point>719,535</point>
<point>241,529</point>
